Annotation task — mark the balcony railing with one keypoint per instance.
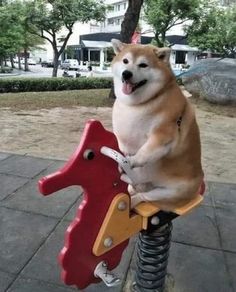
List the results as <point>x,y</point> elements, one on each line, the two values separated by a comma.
<point>113,1</point>
<point>111,28</point>
<point>113,14</point>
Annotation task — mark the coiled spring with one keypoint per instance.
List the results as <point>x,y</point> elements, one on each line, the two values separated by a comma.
<point>152,259</point>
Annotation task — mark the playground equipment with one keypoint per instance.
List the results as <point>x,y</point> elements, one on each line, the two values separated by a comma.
<point>100,231</point>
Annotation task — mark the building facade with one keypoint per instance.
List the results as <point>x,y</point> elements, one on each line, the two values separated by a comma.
<point>115,16</point>
<point>95,48</point>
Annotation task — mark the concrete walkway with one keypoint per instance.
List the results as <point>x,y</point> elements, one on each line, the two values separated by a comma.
<point>203,250</point>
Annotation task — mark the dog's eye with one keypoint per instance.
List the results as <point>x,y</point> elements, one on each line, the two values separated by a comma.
<point>125,61</point>
<point>143,65</point>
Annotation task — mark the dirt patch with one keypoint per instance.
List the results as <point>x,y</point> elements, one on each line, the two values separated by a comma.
<point>218,138</point>
<point>51,133</point>
<point>224,110</point>
<point>55,133</point>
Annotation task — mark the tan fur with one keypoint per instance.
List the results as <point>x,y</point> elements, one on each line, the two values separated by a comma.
<point>165,157</point>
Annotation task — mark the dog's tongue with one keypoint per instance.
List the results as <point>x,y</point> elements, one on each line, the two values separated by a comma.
<point>127,87</point>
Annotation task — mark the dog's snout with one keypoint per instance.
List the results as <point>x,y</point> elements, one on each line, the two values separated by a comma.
<point>126,75</point>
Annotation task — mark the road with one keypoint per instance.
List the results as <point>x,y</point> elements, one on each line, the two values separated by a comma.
<point>37,71</point>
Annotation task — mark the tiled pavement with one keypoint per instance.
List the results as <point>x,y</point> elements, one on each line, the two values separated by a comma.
<point>203,250</point>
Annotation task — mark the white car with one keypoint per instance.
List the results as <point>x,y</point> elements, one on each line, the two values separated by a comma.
<point>29,61</point>
<point>70,64</point>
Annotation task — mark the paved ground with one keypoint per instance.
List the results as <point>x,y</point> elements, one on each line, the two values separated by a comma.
<point>203,251</point>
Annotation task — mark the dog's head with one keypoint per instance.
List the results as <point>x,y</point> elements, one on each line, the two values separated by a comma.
<point>139,71</point>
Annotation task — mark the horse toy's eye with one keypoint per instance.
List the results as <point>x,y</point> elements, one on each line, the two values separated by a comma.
<point>89,154</point>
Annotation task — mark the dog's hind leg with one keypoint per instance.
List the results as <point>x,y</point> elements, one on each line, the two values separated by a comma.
<point>157,194</point>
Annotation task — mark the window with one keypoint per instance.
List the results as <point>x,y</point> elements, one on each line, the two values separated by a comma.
<point>95,56</point>
<point>110,21</point>
<point>180,57</point>
<point>118,21</point>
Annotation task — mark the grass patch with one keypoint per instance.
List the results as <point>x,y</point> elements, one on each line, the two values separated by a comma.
<point>47,100</point>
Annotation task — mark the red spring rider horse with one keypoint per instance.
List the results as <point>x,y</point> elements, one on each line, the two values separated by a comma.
<point>99,233</point>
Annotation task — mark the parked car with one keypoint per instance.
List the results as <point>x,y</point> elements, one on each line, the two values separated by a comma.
<point>70,64</point>
<point>29,61</point>
<point>48,64</point>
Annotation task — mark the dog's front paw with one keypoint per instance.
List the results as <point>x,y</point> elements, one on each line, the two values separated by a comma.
<point>131,190</point>
<point>120,169</point>
<point>124,177</point>
<point>135,200</point>
<point>136,161</point>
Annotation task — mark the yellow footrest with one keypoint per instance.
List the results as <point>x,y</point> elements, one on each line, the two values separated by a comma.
<point>188,207</point>
<point>147,209</point>
<point>120,224</point>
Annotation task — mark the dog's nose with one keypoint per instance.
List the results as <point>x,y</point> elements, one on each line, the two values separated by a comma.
<point>126,75</point>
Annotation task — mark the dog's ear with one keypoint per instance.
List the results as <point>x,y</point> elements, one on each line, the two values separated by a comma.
<point>163,54</point>
<point>118,46</point>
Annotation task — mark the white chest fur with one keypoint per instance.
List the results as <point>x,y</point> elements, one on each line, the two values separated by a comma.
<point>132,125</point>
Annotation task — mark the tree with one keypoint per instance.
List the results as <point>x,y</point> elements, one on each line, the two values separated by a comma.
<point>10,33</point>
<point>162,15</point>
<point>30,38</point>
<point>2,2</point>
<point>215,31</point>
<point>131,19</point>
<point>14,35</point>
<point>129,25</point>
<point>49,17</point>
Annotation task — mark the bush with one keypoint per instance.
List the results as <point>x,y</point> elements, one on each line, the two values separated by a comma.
<point>52,84</point>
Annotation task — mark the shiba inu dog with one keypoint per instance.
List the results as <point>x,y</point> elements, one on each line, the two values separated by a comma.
<point>155,126</point>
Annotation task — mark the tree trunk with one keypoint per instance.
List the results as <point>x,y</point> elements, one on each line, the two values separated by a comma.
<point>112,93</point>
<point>55,68</point>
<point>55,63</point>
<point>130,21</point>
<point>12,62</point>
<point>26,65</point>
<point>163,39</point>
<point>128,26</point>
<point>19,63</point>
<point>1,63</point>
<point>158,41</point>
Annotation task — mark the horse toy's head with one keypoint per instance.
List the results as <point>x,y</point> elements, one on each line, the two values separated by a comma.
<point>87,167</point>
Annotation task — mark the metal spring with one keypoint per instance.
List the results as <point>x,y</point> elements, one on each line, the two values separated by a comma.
<point>152,259</point>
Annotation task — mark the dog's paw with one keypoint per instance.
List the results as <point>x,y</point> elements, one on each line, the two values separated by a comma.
<point>131,190</point>
<point>120,169</point>
<point>124,177</point>
<point>136,161</point>
<point>135,200</point>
